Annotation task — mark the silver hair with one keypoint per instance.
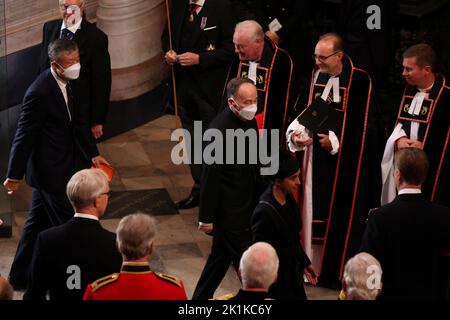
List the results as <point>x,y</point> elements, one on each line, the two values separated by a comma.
<point>357,273</point>
<point>135,234</point>
<point>254,29</point>
<point>259,266</point>
<point>61,2</point>
<point>85,186</point>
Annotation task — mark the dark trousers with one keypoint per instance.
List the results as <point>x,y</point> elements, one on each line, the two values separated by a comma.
<point>196,108</point>
<point>47,210</point>
<point>226,249</point>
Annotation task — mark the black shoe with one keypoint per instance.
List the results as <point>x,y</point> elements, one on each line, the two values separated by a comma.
<point>188,203</point>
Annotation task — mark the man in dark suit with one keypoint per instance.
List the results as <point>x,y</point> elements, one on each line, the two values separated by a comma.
<point>93,88</point>
<point>52,142</point>
<point>201,53</point>
<point>409,235</point>
<point>228,191</point>
<point>69,257</point>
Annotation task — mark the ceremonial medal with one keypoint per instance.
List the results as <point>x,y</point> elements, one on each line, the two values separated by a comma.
<point>191,17</point>
<point>203,23</point>
<point>210,47</point>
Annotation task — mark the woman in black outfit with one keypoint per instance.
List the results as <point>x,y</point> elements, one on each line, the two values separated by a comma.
<point>276,221</point>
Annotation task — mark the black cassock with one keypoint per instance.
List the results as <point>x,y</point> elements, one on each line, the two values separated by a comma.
<point>434,131</point>
<point>334,214</point>
<point>280,226</point>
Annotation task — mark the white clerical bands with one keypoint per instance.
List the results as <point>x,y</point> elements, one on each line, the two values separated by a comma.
<point>333,83</point>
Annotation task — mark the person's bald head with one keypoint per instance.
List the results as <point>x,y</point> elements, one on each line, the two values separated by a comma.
<point>248,40</point>
<point>329,53</point>
<point>6,291</point>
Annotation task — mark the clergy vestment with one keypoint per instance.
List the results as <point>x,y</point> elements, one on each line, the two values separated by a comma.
<point>424,116</point>
<point>332,206</point>
<point>272,75</point>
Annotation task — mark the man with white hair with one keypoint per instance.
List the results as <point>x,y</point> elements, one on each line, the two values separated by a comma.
<point>68,257</point>
<point>93,88</point>
<point>258,270</point>
<point>269,67</point>
<point>135,240</point>
<point>362,278</point>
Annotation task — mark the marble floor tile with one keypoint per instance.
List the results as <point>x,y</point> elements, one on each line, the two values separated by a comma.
<point>179,251</point>
<point>166,121</point>
<point>144,183</point>
<point>149,133</point>
<point>125,154</point>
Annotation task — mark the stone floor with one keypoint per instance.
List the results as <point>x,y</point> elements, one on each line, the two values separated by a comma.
<point>142,160</point>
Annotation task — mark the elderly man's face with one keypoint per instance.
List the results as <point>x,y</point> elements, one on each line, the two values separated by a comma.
<point>247,48</point>
<point>71,12</point>
<point>327,59</point>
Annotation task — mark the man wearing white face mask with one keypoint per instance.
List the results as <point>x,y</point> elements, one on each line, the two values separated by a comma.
<point>51,143</point>
<point>93,88</point>
<point>228,191</point>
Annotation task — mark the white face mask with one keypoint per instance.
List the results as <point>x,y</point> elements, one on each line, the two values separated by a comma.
<point>72,72</point>
<point>247,113</point>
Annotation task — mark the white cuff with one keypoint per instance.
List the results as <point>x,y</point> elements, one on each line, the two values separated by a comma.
<point>295,127</point>
<point>334,142</point>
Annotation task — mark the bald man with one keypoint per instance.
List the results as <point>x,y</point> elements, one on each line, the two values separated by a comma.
<point>333,157</point>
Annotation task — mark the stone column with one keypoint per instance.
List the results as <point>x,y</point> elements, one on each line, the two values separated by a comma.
<point>134,30</point>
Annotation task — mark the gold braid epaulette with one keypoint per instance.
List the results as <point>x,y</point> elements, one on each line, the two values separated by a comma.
<point>226,297</point>
<point>169,278</point>
<point>97,284</point>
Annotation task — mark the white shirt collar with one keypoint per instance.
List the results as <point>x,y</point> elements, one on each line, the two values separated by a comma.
<point>73,28</point>
<point>85,216</point>
<point>61,82</point>
<point>200,3</point>
<point>410,191</point>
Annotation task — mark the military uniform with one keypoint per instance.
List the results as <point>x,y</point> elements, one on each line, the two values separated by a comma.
<point>136,282</point>
<point>246,295</point>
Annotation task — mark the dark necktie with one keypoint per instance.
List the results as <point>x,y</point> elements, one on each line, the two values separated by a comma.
<point>67,34</point>
<point>70,99</point>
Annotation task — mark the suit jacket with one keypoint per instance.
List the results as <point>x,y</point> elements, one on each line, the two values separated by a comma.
<point>409,236</point>
<point>79,242</point>
<point>228,191</point>
<point>93,88</point>
<point>49,148</point>
<point>213,42</point>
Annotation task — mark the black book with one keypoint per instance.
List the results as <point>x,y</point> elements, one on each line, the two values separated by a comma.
<point>319,117</point>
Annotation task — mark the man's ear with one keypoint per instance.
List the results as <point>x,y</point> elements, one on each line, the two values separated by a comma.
<point>428,69</point>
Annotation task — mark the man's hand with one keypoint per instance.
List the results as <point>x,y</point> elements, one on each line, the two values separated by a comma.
<point>171,57</point>
<point>97,131</point>
<point>273,36</point>
<point>405,142</point>
<point>206,227</point>
<point>311,275</point>
<point>325,142</point>
<point>188,59</point>
<point>11,186</point>
<point>300,141</point>
<point>99,160</point>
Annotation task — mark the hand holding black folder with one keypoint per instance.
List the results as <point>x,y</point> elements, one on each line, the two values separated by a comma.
<point>319,117</point>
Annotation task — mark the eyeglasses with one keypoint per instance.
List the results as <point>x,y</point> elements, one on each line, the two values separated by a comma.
<point>323,58</point>
<point>108,193</point>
